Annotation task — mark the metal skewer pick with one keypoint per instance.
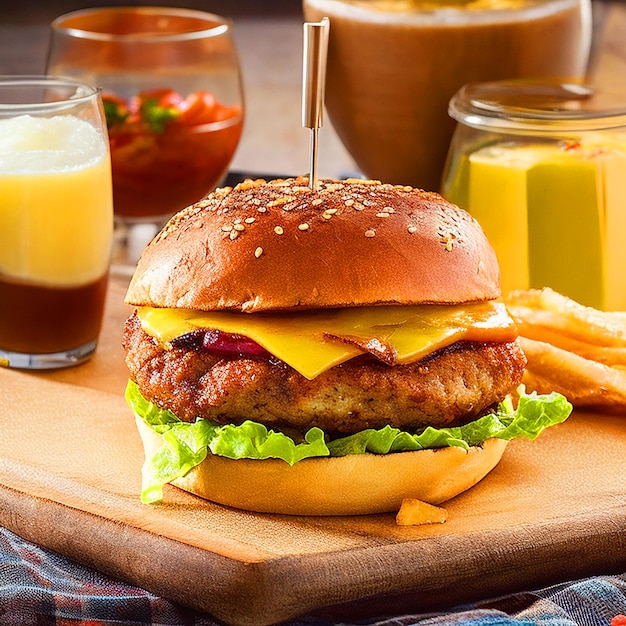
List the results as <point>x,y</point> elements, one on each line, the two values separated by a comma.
<point>313,83</point>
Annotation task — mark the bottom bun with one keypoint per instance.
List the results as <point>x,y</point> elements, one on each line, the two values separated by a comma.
<point>356,484</point>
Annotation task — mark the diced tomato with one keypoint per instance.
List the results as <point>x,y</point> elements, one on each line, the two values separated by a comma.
<point>223,112</point>
<point>619,620</point>
<point>197,108</point>
<point>154,110</point>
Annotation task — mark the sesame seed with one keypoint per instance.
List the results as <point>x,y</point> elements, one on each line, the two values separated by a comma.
<point>326,215</point>
<point>349,202</point>
<point>412,229</point>
<point>226,228</point>
<point>303,226</point>
<point>239,227</point>
<point>262,209</point>
<point>258,252</point>
<point>448,240</point>
<point>278,230</point>
<point>361,181</point>
<point>250,184</point>
<point>316,202</point>
<point>330,211</point>
<point>280,201</point>
<point>382,214</point>
<point>250,220</point>
<point>334,186</point>
<point>370,233</point>
<point>234,234</point>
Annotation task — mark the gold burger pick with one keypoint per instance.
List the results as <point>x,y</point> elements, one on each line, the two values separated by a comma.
<point>313,84</point>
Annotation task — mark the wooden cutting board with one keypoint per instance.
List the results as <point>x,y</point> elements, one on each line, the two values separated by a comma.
<point>70,461</point>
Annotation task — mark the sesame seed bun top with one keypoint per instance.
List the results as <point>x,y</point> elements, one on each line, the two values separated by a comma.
<point>279,245</point>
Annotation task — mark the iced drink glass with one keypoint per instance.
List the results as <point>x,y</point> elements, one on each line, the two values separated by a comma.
<point>56,221</point>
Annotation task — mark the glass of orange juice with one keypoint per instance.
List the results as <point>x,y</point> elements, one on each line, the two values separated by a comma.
<point>173,99</point>
<point>56,221</point>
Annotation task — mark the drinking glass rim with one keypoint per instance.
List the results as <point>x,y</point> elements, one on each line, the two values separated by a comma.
<point>221,24</point>
<point>441,16</point>
<point>504,104</point>
<point>83,92</point>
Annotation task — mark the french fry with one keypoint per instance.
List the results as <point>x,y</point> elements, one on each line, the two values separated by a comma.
<point>587,384</point>
<point>609,355</point>
<point>549,309</point>
<point>573,349</point>
<point>415,512</point>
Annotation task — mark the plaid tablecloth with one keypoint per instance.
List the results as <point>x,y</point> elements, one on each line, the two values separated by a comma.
<point>38,587</point>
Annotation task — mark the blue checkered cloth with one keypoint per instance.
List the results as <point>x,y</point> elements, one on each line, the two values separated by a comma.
<point>38,587</point>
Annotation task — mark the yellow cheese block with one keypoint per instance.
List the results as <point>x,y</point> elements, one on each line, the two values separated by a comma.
<point>314,341</point>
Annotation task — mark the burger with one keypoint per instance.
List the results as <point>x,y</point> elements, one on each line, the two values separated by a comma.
<point>324,351</point>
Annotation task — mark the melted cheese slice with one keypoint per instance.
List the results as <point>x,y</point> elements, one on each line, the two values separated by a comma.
<point>302,339</point>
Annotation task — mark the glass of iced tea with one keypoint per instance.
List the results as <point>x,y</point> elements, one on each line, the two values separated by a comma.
<point>172,93</point>
<point>56,221</point>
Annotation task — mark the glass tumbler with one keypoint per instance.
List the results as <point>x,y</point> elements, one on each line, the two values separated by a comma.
<point>173,98</point>
<point>56,221</point>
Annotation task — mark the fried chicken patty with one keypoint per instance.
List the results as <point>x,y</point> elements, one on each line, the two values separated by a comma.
<point>448,388</point>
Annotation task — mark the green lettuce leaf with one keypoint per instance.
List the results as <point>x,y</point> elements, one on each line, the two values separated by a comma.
<point>186,444</point>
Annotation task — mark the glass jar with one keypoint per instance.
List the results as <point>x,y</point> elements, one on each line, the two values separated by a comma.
<point>542,167</point>
<point>393,66</point>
